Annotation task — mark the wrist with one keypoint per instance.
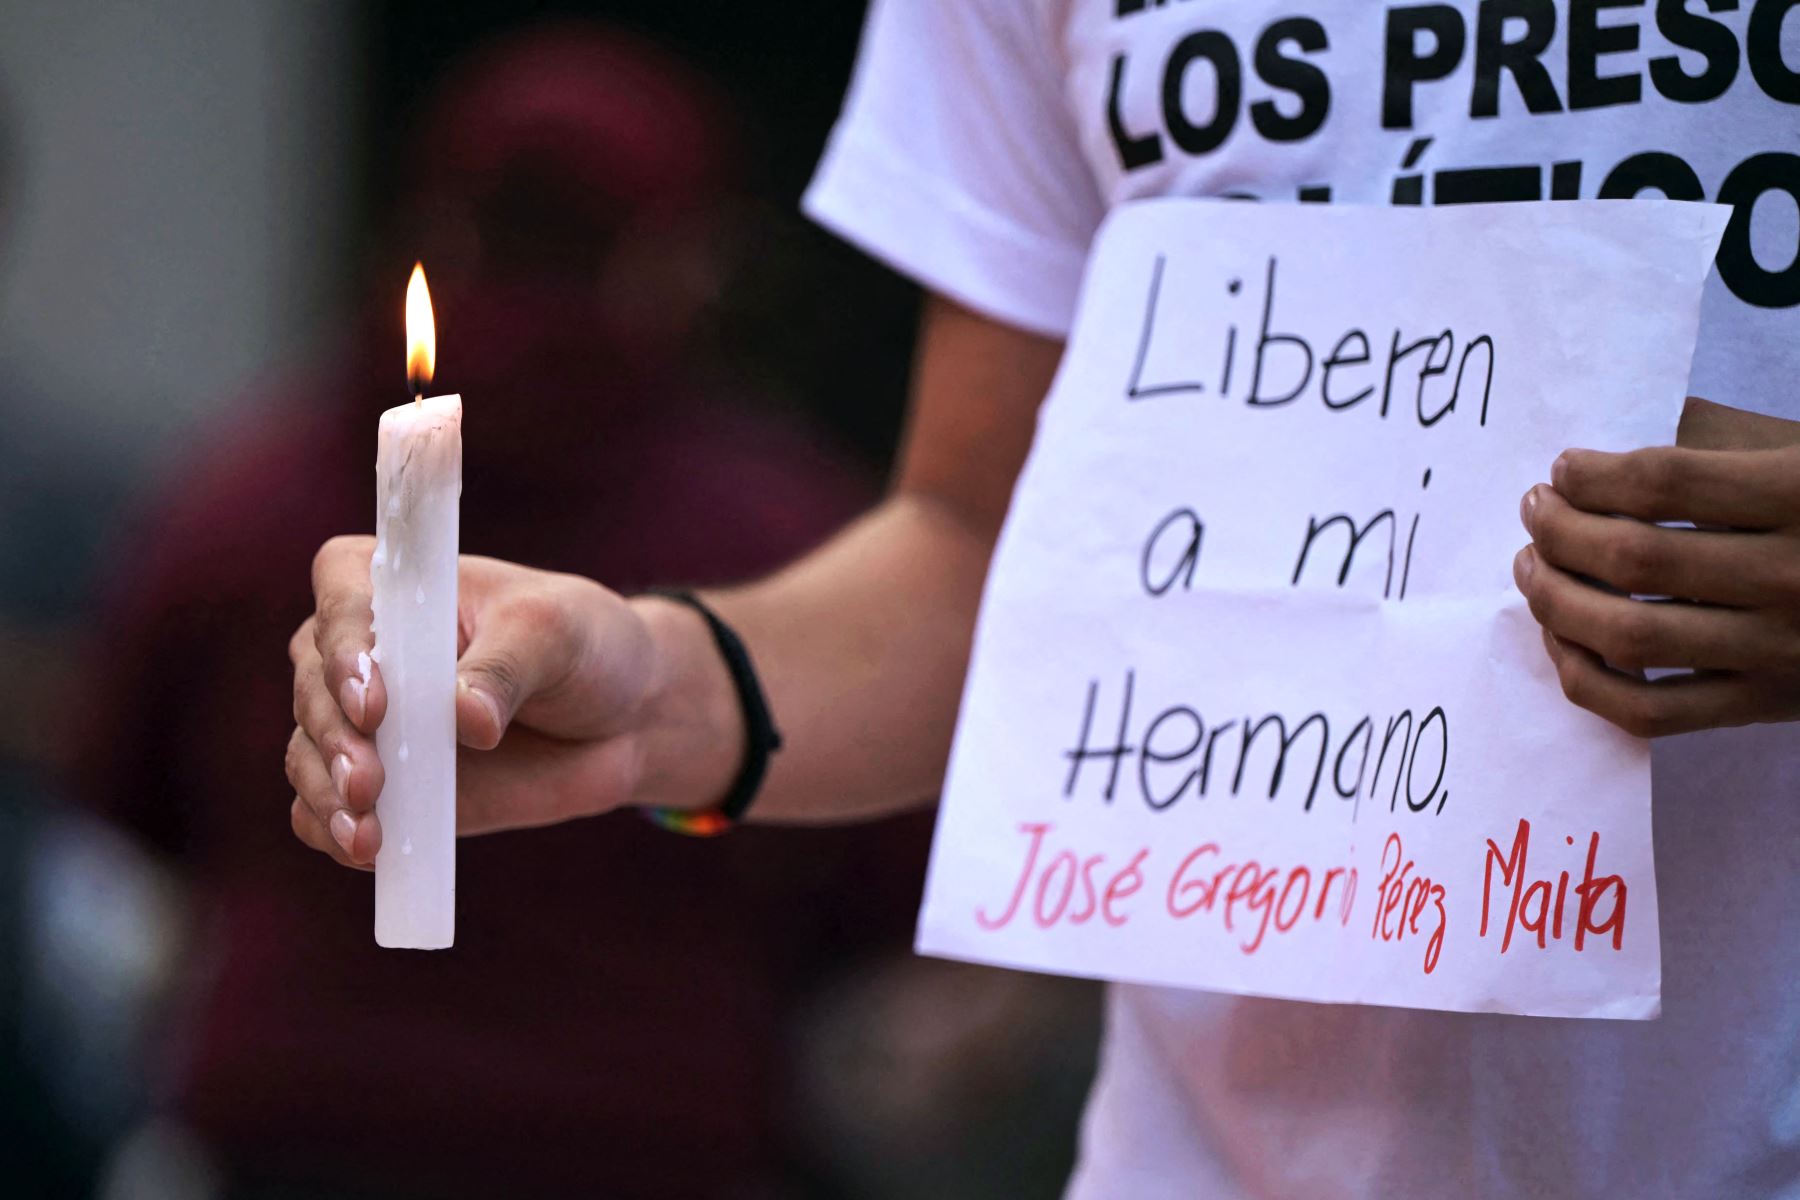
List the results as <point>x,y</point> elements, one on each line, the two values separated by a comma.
<point>691,728</point>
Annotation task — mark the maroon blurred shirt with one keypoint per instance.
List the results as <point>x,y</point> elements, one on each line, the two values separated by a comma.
<point>612,1018</point>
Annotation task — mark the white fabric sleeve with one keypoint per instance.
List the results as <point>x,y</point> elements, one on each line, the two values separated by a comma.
<point>956,160</point>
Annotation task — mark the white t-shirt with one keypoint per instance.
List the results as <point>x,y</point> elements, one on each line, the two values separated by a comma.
<point>980,145</point>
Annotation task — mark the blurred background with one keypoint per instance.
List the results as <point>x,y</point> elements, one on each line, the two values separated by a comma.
<point>208,210</point>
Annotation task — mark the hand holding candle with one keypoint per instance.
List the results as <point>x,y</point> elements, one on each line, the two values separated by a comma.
<point>570,701</point>
<point>567,699</point>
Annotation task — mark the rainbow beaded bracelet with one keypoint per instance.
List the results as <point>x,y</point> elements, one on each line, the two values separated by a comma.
<point>704,822</point>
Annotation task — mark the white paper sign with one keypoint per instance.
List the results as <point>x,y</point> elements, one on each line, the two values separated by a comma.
<point>1274,497</point>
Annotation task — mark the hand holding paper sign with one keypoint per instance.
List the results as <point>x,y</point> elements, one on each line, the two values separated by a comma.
<point>1733,621</point>
<point>1254,705</point>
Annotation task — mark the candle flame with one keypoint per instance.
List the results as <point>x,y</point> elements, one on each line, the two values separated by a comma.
<point>421,332</point>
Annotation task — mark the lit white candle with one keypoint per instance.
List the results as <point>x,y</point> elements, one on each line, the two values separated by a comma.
<point>418,484</point>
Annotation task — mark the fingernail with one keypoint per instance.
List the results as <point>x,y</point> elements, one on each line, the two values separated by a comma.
<point>1527,561</point>
<point>1528,507</point>
<point>343,830</point>
<point>1558,469</point>
<point>340,776</point>
<point>488,702</point>
<point>355,700</point>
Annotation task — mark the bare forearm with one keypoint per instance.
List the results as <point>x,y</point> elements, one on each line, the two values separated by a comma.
<point>573,700</point>
<point>862,646</point>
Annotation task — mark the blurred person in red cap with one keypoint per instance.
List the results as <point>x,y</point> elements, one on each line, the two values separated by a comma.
<point>612,1019</point>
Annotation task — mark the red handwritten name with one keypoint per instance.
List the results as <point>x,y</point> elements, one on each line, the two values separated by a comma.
<point>1057,884</point>
<point>1529,906</point>
<point>1401,901</point>
<point>1067,888</point>
<point>1271,895</point>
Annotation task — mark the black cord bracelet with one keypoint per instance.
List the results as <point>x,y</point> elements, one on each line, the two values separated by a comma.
<point>761,738</point>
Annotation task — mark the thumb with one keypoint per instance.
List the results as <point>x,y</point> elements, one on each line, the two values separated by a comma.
<point>481,720</point>
<point>502,668</point>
